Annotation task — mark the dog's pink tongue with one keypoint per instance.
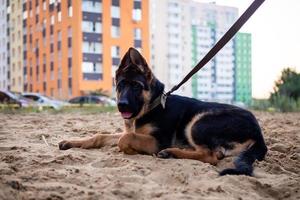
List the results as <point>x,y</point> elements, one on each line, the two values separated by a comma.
<point>126,115</point>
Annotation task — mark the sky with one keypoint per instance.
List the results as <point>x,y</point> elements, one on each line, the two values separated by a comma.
<point>275,29</point>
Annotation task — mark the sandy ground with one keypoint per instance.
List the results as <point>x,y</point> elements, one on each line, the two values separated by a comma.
<point>29,169</point>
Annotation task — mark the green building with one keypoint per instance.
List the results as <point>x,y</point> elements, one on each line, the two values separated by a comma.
<point>243,77</point>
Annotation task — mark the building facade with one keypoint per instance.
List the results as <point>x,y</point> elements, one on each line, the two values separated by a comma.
<point>4,67</point>
<point>216,81</point>
<point>243,72</point>
<point>182,32</point>
<point>73,47</point>
<point>15,19</point>
<point>170,42</point>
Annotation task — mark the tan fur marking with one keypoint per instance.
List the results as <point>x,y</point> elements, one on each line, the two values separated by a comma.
<point>146,129</point>
<point>188,129</point>
<point>139,143</point>
<point>129,125</point>
<point>97,141</point>
<point>202,154</point>
<point>147,97</point>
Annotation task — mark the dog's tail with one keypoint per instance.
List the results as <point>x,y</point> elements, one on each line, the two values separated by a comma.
<point>244,162</point>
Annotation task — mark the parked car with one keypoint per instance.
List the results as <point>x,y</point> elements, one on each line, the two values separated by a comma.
<point>43,100</point>
<point>7,97</point>
<point>93,99</point>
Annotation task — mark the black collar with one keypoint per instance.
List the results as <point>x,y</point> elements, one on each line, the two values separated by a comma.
<point>160,100</point>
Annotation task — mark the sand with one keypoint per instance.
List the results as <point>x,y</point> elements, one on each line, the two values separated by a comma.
<point>29,169</point>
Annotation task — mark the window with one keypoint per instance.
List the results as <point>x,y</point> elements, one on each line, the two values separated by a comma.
<point>92,47</point>
<point>59,35</point>
<point>91,6</point>
<point>44,63</point>
<point>59,16</point>
<point>89,67</point>
<point>69,42</point>
<point>137,34</point>
<point>70,9</point>
<point>115,31</point>
<point>137,10</point>
<point>52,20</point>
<point>44,5</point>
<point>69,32</point>
<point>59,40</point>
<point>69,67</point>
<point>115,51</point>
<point>92,27</point>
<point>115,11</point>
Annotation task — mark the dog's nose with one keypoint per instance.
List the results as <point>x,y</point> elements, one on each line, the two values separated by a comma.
<point>123,103</point>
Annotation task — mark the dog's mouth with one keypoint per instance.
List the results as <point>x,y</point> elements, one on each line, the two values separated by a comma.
<point>126,115</point>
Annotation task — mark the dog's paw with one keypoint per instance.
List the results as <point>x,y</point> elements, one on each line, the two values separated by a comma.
<point>165,154</point>
<point>64,145</point>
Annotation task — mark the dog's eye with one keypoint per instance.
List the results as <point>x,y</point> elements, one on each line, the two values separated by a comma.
<point>136,86</point>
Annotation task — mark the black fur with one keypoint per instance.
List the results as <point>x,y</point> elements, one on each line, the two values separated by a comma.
<point>221,125</point>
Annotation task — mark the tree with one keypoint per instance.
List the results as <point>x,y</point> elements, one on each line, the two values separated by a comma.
<point>288,85</point>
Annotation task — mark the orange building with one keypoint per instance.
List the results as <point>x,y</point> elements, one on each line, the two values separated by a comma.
<point>72,47</point>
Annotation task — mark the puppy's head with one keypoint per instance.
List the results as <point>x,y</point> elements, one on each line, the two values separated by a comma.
<point>134,81</point>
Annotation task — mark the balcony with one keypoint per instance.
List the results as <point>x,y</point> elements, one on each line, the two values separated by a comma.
<point>92,76</point>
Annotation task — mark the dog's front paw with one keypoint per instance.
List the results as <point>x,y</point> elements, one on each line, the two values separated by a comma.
<point>64,145</point>
<point>165,154</point>
<point>125,144</point>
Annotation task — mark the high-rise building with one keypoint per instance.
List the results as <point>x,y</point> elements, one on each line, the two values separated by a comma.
<point>215,82</point>
<point>243,77</point>
<point>15,19</point>
<point>170,42</point>
<point>182,32</point>
<point>4,67</point>
<point>73,47</point>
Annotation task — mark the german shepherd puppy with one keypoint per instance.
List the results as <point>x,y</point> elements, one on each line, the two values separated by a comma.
<point>183,128</point>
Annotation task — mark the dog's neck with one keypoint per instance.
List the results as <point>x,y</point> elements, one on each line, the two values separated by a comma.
<point>129,125</point>
<point>157,90</point>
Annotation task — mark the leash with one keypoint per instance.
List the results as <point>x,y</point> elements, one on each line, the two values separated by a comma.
<point>216,48</point>
<point>221,43</point>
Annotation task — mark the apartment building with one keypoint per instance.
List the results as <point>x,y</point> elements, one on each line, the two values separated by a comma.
<point>243,72</point>
<point>170,42</point>
<point>15,58</point>
<point>182,32</point>
<point>73,47</point>
<point>215,82</point>
<point>4,67</point>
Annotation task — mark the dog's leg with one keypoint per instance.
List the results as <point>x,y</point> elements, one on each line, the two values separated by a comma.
<point>133,143</point>
<point>201,154</point>
<point>96,141</point>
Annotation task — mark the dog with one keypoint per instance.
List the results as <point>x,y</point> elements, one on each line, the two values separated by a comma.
<point>182,127</point>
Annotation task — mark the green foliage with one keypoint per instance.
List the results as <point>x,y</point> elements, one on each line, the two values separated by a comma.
<point>260,104</point>
<point>288,85</point>
<point>286,95</point>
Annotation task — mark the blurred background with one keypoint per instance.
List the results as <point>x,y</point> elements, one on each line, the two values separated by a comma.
<point>60,52</point>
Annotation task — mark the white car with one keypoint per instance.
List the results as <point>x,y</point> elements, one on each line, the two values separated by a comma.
<point>44,100</point>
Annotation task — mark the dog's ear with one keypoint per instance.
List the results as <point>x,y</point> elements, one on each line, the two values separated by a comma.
<point>132,56</point>
<point>125,60</point>
<point>136,58</point>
